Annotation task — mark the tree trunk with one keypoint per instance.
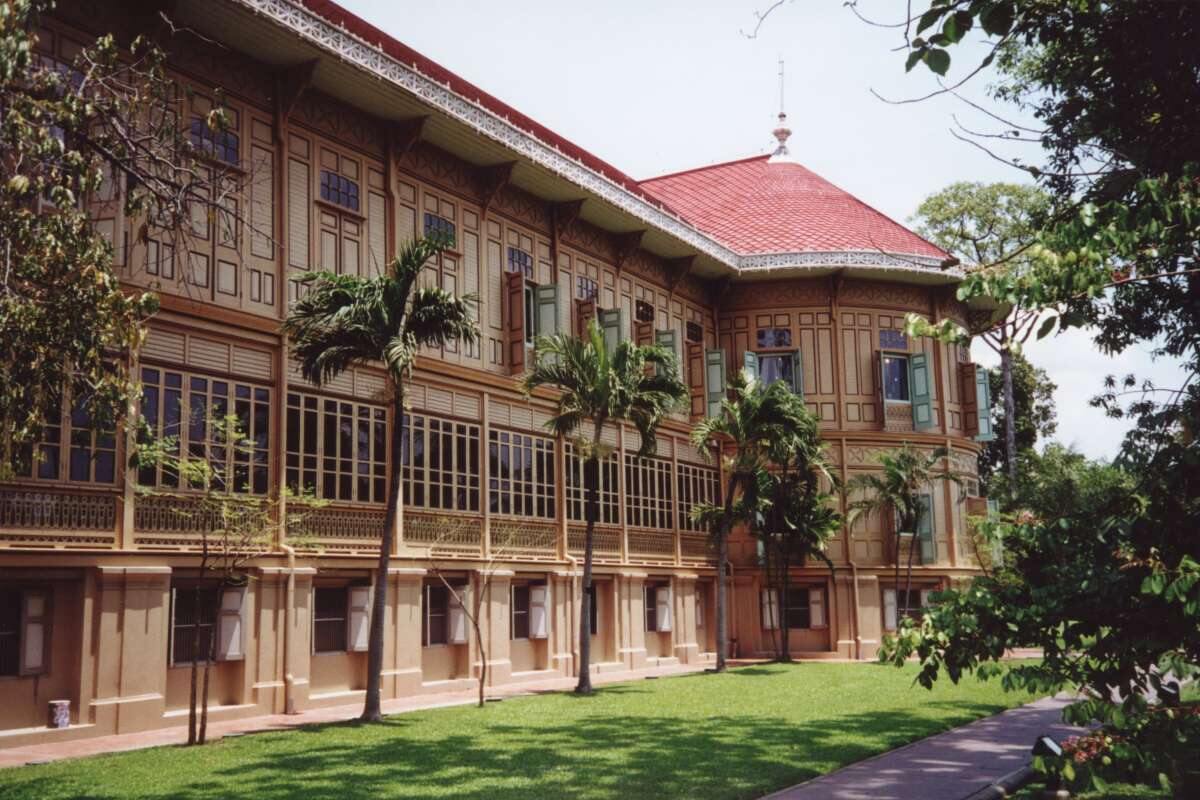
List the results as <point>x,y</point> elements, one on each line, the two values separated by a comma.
<point>485,584</point>
<point>912,548</point>
<point>1010,422</point>
<point>591,481</point>
<point>209,657</point>
<point>722,536</point>
<point>372,710</point>
<point>192,732</point>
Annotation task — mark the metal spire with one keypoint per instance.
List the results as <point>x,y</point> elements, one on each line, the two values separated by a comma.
<point>782,131</point>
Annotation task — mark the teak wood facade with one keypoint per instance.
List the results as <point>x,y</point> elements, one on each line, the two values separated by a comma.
<point>347,155</point>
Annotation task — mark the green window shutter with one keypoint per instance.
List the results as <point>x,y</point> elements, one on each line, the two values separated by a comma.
<point>714,380</point>
<point>920,391</point>
<point>983,405</point>
<point>612,325</point>
<point>545,299</point>
<point>750,366</point>
<point>925,530</point>
<point>666,339</point>
<point>797,374</point>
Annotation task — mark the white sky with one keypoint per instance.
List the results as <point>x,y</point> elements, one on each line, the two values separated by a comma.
<point>655,86</point>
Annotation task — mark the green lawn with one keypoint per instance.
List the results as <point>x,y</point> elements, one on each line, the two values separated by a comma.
<point>741,734</point>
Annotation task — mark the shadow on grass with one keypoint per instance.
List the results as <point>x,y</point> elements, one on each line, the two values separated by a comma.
<point>594,756</point>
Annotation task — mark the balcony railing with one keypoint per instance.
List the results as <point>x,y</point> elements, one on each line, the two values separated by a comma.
<point>444,535</point>
<point>606,544</point>
<point>59,519</point>
<point>522,539</point>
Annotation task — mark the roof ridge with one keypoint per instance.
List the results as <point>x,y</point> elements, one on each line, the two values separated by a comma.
<point>676,174</point>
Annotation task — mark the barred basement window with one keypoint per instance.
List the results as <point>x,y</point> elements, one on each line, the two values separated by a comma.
<point>577,495</point>
<point>521,469</point>
<point>187,612</point>
<point>439,226</point>
<point>339,190</point>
<point>435,624</point>
<point>329,619</point>
<point>648,492</point>
<point>519,629</point>
<point>440,463</point>
<point>10,632</point>
<point>207,401</point>
<point>696,485</point>
<point>337,449</point>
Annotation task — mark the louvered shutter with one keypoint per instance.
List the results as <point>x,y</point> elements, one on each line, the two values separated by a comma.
<point>714,380</point>
<point>920,391</point>
<point>585,312</point>
<point>750,366</point>
<point>797,374</point>
<point>612,325</point>
<point>35,623</point>
<point>231,624</point>
<point>667,340</point>
<point>770,609</point>
<point>695,378</point>
<point>539,615</point>
<point>983,406</point>
<point>457,623</point>
<point>889,609</point>
<point>816,608</point>
<point>514,322</point>
<point>546,305</point>
<point>358,618</point>
<point>925,530</point>
<point>643,332</point>
<point>662,601</point>
<point>966,388</point>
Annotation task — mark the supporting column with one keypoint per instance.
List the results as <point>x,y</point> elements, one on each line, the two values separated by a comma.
<point>402,668</point>
<point>564,622</point>
<point>683,636</point>
<point>130,681</point>
<point>631,611</point>
<point>495,625</point>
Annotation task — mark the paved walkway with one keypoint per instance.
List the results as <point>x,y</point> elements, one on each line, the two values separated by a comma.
<point>949,766</point>
<point>17,756</point>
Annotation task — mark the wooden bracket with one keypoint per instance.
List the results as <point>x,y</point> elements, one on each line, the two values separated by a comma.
<point>677,270</point>
<point>405,135</point>
<point>627,245</point>
<point>564,214</point>
<point>717,291</point>
<point>491,180</point>
<point>291,83</point>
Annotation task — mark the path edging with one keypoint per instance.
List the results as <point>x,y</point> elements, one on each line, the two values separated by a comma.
<point>1006,785</point>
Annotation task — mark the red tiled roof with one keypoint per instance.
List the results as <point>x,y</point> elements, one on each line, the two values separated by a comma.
<point>754,206</point>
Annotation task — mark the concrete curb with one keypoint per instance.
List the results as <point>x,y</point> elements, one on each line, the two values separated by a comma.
<point>1005,786</point>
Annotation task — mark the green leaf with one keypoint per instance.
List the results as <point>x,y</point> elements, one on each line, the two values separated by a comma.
<point>937,60</point>
<point>930,17</point>
<point>998,20</point>
<point>1047,327</point>
<point>912,60</point>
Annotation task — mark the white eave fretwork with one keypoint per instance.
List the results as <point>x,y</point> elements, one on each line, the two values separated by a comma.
<point>344,45</point>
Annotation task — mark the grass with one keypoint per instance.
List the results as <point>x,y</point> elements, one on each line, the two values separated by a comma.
<point>741,734</point>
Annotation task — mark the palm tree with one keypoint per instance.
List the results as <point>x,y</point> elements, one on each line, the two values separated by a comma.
<point>897,488</point>
<point>631,383</point>
<point>346,320</point>
<point>748,427</point>
<point>799,518</point>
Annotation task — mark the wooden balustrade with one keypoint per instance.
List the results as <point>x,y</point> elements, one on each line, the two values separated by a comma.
<point>60,519</point>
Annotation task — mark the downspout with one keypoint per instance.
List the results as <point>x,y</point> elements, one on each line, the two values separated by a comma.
<point>289,680</point>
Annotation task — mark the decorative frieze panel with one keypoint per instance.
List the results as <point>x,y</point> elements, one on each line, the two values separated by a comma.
<point>444,534</point>
<point>651,545</point>
<point>342,530</point>
<point>606,543</point>
<point>696,549</point>
<point>777,294</point>
<point>888,295</point>
<point>340,122</point>
<point>512,538</point>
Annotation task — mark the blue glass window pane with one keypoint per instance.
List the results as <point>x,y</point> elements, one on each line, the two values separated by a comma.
<point>895,378</point>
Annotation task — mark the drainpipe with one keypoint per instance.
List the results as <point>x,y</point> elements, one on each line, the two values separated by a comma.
<point>289,680</point>
<point>854,615</point>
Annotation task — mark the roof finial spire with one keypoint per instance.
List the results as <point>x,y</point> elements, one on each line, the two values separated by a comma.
<point>782,131</point>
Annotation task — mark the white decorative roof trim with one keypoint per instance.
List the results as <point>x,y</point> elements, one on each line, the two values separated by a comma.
<point>842,258</point>
<point>371,58</point>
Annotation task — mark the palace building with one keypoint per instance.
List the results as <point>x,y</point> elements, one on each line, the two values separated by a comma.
<point>352,143</point>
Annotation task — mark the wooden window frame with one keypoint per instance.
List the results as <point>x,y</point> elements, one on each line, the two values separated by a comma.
<point>649,494</point>
<point>428,613</point>
<point>511,494</point>
<point>210,596</point>
<point>518,620</point>
<point>429,443</point>
<point>697,484</point>
<point>576,494</point>
<point>344,619</point>
<point>313,470</point>
<point>884,355</point>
